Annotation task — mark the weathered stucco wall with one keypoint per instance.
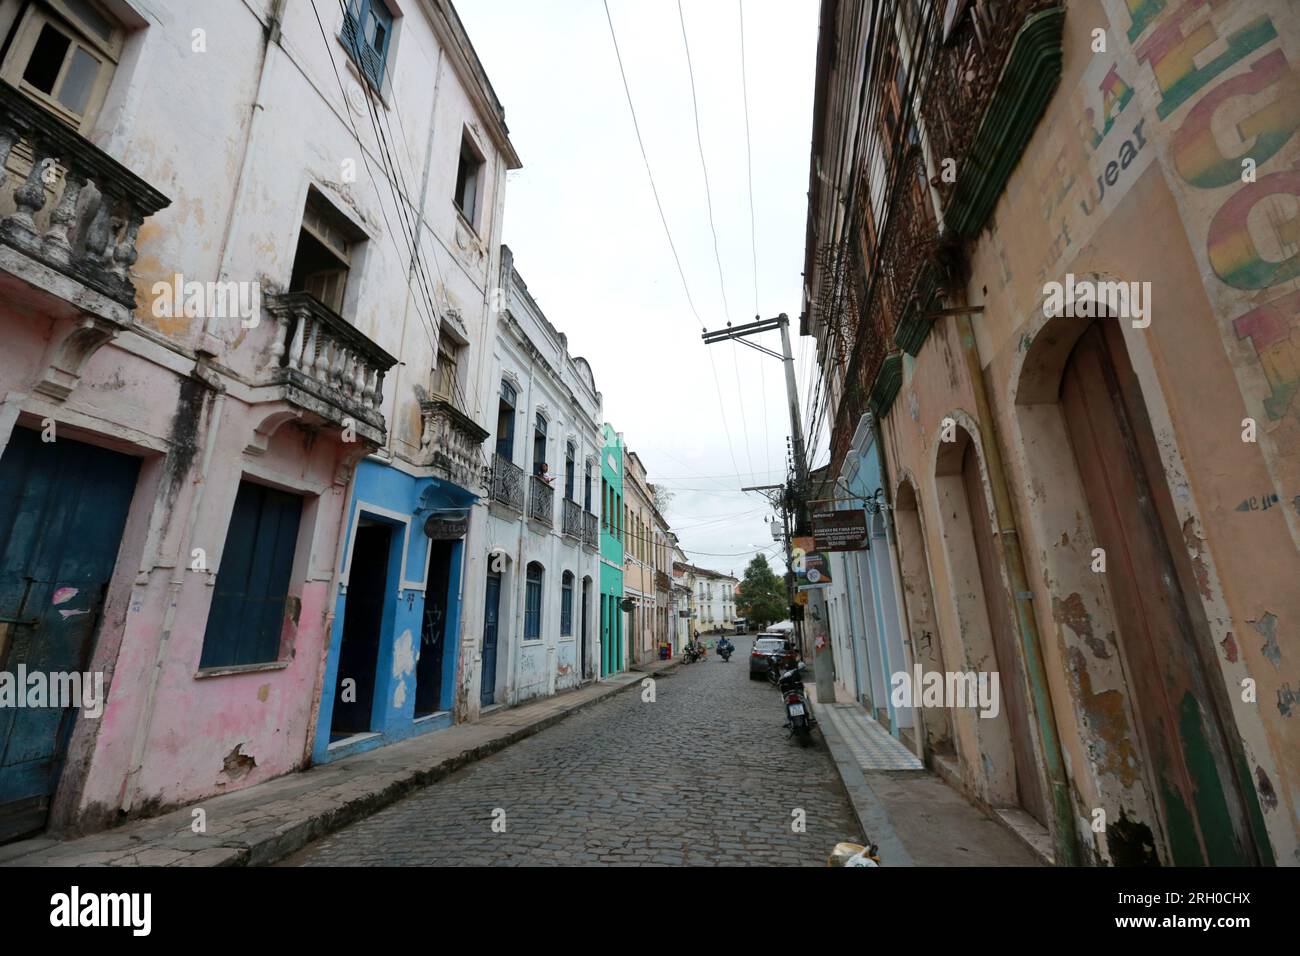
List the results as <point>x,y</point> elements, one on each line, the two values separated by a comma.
<point>1134,174</point>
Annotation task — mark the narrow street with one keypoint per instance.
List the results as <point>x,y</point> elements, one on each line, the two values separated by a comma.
<point>704,775</point>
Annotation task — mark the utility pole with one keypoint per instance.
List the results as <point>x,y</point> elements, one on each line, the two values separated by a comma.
<point>796,497</point>
<point>740,334</point>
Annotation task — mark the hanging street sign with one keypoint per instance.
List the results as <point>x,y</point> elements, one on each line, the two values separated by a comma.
<point>840,530</point>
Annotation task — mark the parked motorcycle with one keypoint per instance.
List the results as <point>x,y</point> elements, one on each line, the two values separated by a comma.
<point>798,711</point>
<point>693,653</point>
<point>778,662</point>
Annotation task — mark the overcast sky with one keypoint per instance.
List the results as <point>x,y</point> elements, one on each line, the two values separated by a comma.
<point>587,238</point>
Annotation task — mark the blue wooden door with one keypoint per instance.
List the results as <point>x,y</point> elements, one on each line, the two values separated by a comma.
<point>488,682</point>
<point>63,506</point>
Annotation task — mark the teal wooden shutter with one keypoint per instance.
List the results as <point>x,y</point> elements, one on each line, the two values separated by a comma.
<point>252,587</point>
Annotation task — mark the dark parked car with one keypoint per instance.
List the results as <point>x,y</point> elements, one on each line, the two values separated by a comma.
<point>764,644</point>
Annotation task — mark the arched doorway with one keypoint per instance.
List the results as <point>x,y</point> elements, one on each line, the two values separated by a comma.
<point>988,632</point>
<point>923,628</point>
<point>1162,635</point>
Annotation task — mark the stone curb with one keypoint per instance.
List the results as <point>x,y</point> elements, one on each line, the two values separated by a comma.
<point>264,845</point>
<point>872,815</point>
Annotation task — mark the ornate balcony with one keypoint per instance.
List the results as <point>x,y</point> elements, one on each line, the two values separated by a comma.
<point>508,483</point>
<point>571,523</point>
<point>992,80</point>
<point>453,442</point>
<point>904,286</point>
<point>590,531</point>
<point>326,365</point>
<point>909,273</point>
<point>541,501</point>
<point>79,211</point>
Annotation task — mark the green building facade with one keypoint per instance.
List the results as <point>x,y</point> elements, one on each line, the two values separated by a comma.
<point>611,553</point>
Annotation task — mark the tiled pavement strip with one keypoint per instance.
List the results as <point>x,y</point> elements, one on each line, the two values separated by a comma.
<point>911,814</point>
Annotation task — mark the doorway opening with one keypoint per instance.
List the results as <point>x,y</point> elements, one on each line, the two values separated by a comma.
<point>363,624</point>
<point>988,635</point>
<point>1163,636</point>
<point>491,638</point>
<point>63,508</point>
<point>433,633</point>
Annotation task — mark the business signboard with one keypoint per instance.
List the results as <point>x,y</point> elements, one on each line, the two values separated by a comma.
<point>840,530</point>
<point>811,567</point>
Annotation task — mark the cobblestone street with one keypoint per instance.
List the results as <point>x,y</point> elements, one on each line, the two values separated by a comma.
<point>704,775</point>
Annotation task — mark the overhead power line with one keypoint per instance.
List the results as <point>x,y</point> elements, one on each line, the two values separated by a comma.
<point>713,226</point>
<point>753,239</point>
<point>668,232</point>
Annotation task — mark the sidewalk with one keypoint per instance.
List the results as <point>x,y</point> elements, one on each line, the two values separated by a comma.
<point>911,814</point>
<point>262,824</point>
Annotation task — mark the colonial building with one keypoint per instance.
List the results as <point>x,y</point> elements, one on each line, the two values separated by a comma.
<point>534,624</point>
<point>416,524</point>
<point>715,599</point>
<point>1049,274</point>
<point>207,283</point>
<point>682,605</point>
<point>613,643</point>
<point>638,559</point>
<point>663,542</point>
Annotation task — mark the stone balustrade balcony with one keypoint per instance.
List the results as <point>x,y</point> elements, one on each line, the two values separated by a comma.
<point>452,442</point>
<point>78,211</point>
<point>327,366</point>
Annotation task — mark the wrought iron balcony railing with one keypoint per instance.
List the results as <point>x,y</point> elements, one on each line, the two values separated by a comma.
<point>572,519</point>
<point>1012,46</point>
<point>78,211</point>
<point>508,483</point>
<point>904,282</point>
<point>590,531</point>
<point>327,364</point>
<point>541,501</point>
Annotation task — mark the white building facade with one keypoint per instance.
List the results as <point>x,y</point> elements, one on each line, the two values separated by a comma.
<point>531,626</point>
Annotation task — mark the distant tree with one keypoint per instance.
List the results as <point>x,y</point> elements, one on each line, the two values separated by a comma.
<point>663,498</point>
<point>762,598</point>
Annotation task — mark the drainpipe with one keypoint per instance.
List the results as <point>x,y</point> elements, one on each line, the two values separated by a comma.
<point>179,569</point>
<point>1013,561</point>
<point>270,41</point>
<point>900,601</point>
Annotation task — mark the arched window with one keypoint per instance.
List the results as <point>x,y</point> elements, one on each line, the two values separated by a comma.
<point>586,488</point>
<point>566,605</point>
<point>533,602</point>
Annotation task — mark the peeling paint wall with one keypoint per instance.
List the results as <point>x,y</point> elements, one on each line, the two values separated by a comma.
<point>1220,249</point>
